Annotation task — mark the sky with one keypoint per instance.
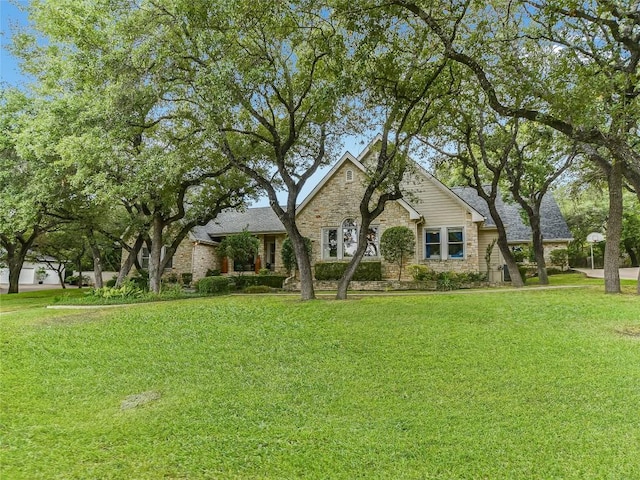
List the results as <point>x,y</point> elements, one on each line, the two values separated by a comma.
<point>12,16</point>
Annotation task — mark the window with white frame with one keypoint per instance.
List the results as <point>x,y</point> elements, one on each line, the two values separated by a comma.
<point>373,243</point>
<point>349,176</point>
<point>433,245</point>
<point>444,243</point>
<point>329,243</point>
<point>455,243</point>
<point>342,243</point>
<point>144,258</point>
<point>349,237</point>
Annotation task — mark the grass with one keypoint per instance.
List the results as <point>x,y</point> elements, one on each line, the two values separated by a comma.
<point>528,384</point>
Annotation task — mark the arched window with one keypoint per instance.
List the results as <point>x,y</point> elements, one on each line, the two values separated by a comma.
<point>349,237</point>
<point>349,176</point>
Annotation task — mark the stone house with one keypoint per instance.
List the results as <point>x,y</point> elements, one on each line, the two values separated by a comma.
<point>452,226</point>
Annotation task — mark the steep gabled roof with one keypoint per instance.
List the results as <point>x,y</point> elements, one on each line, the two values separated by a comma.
<point>554,226</point>
<point>347,157</point>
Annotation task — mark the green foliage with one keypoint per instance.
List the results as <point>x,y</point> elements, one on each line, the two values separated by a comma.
<point>128,289</point>
<point>111,282</point>
<point>366,271</point>
<point>187,278</point>
<point>422,273</point>
<point>288,255</point>
<point>171,277</point>
<point>264,271</point>
<point>273,281</point>
<point>213,285</point>
<point>239,246</point>
<point>213,272</point>
<point>396,245</point>
<point>257,289</point>
<point>559,257</point>
<point>447,281</point>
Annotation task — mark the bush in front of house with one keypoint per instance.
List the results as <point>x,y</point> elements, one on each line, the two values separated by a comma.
<point>257,289</point>
<point>213,285</point>
<point>187,278</point>
<point>213,273</point>
<point>273,281</point>
<point>366,271</point>
<point>422,273</point>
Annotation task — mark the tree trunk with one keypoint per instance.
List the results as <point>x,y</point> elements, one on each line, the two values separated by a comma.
<point>155,253</point>
<point>97,262</point>
<point>629,248</point>
<point>503,244</point>
<point>307,291</point>
<point>614,229</point>
<point>343,284</point>
<point>61,279</point>
<point>126,266</point>
<point>15,267</point>
<point>538,248</point>
<point>79,265</point>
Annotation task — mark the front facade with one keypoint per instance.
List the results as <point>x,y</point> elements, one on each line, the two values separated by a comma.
<point>452,227</point>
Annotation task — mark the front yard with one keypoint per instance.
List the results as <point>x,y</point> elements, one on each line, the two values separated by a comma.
<point>527,384</point>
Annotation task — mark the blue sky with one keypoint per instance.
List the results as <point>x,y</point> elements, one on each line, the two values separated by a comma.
<point>10,16</point>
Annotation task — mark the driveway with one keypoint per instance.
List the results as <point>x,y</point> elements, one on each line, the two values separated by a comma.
<point>4,287</point>
<point>625,273</point>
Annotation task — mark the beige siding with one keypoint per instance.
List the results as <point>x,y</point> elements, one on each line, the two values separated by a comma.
<point>495,270</point>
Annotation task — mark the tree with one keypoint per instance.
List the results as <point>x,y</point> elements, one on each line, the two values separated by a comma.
<point>272,79</point>
<point>136,137</point>
<point>31,187</point>
<point>289,255</point>
<point>240,246</point>
<point>402,80</point>
<point>396,245</point>
<point>570,67</point>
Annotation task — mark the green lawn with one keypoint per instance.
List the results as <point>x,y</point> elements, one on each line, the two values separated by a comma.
<point>527,384</point>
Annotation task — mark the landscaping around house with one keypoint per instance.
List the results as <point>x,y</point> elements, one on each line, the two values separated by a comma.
<point>525,384</point>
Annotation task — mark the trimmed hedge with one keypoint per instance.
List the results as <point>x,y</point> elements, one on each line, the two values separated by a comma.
<point>273,281</point>
<point>366,271</point>
<point>209,285</point>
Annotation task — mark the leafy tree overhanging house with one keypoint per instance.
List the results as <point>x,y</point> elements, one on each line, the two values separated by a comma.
<point>452,227</point>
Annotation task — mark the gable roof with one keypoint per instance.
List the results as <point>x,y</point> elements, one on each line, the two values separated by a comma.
<point>553,224</point>
<point>347,157</point>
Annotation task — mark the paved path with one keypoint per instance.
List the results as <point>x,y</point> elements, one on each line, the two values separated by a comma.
<point>625,273</point>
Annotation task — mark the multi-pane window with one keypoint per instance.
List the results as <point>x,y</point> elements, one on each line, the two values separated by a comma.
<point>144,257</point>
<point>455,241</point>
<point>444,243</point>
<point>341,243</point>
<point>349,237</point>
<point>433,245</point>
<point>373,242</point>
<point>330,243</point>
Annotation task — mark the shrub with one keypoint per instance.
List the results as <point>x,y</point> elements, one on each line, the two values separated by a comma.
<point>264,271</point>
<point>366,271</point>
<point>447,281</point>
<point>209,285</point>
<point>289,256</point>
<point>422,273</point>
<point>213,273</point>
<point>141,279</point>
<point>170,278</point>
<point>171,290</point>
<point>127,290</point>
<point>187,278</point>
<point>273,281</point>
<point>396,245</point>
<point>257,289</point>
<point>560,257</point>
<point>112,282</point>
